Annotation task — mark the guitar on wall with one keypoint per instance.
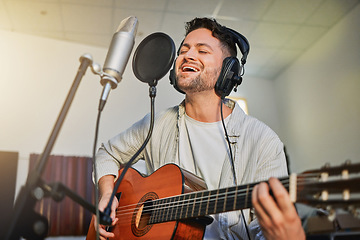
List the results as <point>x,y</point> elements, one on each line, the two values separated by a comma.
<point>172,203</point>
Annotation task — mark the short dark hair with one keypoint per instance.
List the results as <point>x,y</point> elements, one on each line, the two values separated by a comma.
<point>218,31</point>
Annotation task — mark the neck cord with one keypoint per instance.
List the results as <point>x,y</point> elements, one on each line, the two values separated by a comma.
<point>232,162</point>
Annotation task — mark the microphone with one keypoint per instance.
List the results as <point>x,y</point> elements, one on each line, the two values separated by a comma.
<point>117,57</point>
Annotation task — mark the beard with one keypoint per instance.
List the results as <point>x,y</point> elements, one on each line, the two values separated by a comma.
<point>204,81</point>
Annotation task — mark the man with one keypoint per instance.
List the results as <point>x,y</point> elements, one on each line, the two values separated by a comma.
<point>191,136</point>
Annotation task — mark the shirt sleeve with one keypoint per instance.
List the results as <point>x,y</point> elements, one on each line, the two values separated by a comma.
<point>119,150</point>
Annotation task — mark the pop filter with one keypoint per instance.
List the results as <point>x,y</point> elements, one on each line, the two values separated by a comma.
<point>153,58</point>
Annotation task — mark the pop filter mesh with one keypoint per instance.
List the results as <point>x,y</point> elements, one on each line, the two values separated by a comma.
<point>153,57</point>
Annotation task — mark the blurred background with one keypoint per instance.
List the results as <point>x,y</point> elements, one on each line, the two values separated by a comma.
<point>301,77</point>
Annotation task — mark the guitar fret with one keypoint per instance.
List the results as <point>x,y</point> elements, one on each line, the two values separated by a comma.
<point>158,211</point>
<point>186,204</point>
<point>221,200</point>
<point>172,207</point>
<point>225,200</point>
<point>240,201</point>
<point>235,197</point>
<point>154,213</point>
<point>175,206</point>
<point>247,194</point>
<point>167,208</point>
<point>216,200</point>
<point>151,215</point>
<point>181,204</point>
<point>211,209</point>
<point>201,203</point>
<point>190,205</point>
<point>197,204</point>
<point>193,205</point>
<point>161,211</point>
<point>230,199</point>
<point>180,201</point>
<point>207,203</point>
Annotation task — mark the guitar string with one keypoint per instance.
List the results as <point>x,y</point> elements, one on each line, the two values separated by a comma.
<point>159,211</point>
<point>183,201</point>
<point>210,200</point>
<point>284,181</point>
<point>238,191</point>
<point>194,201</point>
<point>170,217</point>
<point>166,206</point>
<point>190,201</point>
<point>157,207</point>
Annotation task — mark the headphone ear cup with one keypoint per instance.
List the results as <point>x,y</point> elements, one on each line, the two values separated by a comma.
<point>172,77</point>
<point>229,77</point>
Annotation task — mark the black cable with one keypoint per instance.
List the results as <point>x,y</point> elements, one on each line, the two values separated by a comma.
<point>232,162</point>
<point>107,210</point>
<point>228,142</point>
<point>152,93</point>
<point>95,175</point>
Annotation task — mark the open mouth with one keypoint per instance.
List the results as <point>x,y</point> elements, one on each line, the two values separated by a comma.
<point>187,68</point>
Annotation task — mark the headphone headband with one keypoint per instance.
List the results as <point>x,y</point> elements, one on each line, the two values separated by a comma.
<point>242,43</point>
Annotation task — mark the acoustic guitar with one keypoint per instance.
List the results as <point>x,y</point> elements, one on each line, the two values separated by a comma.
<point>172,203</point>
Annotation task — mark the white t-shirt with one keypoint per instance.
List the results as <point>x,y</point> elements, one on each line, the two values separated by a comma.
<point>205,145</point>
<point>205,149</point>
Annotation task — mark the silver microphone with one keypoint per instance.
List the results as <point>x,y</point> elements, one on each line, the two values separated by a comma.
<point>117,57</point>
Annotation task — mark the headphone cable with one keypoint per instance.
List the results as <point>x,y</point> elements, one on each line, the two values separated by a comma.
<point>232,161</point>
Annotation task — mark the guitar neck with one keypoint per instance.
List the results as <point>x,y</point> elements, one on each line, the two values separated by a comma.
<point>328,187</point>
<point>202,203</point>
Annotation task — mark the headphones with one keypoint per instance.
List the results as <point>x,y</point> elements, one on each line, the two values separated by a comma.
<point>231,71</point>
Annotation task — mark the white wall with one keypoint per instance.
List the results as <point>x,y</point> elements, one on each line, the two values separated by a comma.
<point>261,100</point>
<point>319,99</point>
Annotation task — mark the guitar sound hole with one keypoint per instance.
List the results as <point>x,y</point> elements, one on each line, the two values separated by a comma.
<point>145,214</point>
<point>142,214</point>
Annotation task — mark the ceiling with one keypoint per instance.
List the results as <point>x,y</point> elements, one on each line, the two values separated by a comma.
<point>279,31</point>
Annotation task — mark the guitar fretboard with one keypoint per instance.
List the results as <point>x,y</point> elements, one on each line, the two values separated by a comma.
<point>201,203</point>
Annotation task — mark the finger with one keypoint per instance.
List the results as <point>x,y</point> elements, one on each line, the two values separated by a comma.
<point>282,197</point>
<point>262,217</point>
<point>105,233</point>
<point>113,208</point>
<point>268,203</point>
<point>102,231</point>
<point>115,221</point>
<point>259,210</point>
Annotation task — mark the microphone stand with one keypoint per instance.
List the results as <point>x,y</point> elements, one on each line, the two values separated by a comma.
<point>25,222</point>
<point>152,95</point>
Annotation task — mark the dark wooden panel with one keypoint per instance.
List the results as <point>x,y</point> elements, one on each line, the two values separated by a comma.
<point>8,172</point>
<point>67,218</point>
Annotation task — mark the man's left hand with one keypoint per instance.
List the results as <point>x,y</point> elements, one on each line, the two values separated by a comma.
<point>276,215</point>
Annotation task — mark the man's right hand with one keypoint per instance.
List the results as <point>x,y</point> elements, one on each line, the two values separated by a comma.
<point>106,185</point>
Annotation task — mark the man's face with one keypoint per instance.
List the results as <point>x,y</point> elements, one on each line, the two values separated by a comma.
<point>199,62</point>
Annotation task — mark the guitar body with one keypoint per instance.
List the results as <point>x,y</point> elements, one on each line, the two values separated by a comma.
<point>135,189</point>
<point>172,203</point>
